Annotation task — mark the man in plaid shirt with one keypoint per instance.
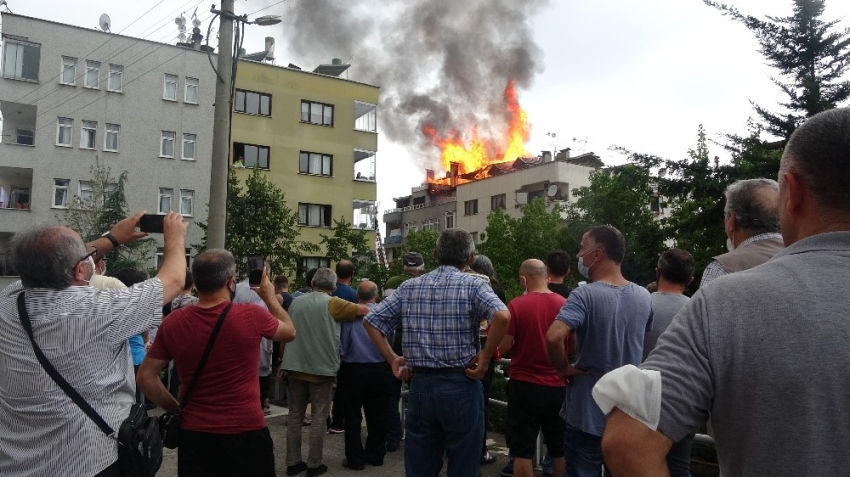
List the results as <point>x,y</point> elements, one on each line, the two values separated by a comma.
<point>440,314</point>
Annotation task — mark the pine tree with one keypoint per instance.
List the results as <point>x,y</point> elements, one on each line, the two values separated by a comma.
<point>811,57</point>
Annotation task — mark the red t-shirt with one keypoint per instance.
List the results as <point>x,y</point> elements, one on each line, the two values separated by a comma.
<point>226,399</point>
<point>531,316</point>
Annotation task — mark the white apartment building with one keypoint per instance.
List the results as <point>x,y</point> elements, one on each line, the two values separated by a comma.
<point>69,95</point>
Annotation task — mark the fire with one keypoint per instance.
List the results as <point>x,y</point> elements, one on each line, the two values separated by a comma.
<point>480,152</point>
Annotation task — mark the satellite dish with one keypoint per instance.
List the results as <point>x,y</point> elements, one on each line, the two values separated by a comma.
<point>105,23</point>
<point>552,191</point>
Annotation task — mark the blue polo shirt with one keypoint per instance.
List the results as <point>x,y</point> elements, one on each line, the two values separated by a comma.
<point>355,346</point>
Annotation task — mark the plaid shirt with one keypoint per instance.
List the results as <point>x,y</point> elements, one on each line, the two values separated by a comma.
<point>439,313</point>
<point>716,270</point>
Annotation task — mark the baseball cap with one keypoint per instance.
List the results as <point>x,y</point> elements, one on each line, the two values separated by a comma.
<point>412,259</point>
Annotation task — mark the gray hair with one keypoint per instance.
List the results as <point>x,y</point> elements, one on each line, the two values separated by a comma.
<point>755,204</point>
<point>454,247</point>
<point>212,269</point>
<point>367,291</point>
<point>484,266</point>
<point>45,256</point>
<point>324,279</point>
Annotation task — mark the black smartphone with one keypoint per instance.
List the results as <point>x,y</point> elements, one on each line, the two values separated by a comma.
<point>256,264</point>
<point>151,223</point>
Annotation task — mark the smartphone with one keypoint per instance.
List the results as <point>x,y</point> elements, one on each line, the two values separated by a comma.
<point>256,264</point>
<point>151,223</point>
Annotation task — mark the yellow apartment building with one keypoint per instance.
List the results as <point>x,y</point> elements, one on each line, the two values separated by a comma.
<point>316,137</point>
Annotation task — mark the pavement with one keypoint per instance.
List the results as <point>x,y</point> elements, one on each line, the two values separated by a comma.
<point>334,453</point>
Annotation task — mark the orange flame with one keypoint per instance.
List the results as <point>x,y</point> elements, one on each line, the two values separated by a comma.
<point>481,152</point>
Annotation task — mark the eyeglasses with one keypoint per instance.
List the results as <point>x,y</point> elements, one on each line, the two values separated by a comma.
<point>91,251</point>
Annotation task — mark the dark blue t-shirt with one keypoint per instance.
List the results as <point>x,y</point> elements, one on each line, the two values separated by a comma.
<point>345,292</point>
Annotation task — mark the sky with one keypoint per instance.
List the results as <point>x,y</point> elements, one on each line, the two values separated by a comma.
<point>640,74</point>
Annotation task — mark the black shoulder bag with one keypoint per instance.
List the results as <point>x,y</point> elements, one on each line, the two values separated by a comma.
<point>139,440</point>
<point>169,423</point>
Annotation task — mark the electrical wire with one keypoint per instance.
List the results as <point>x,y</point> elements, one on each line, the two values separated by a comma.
<point>266,8</point>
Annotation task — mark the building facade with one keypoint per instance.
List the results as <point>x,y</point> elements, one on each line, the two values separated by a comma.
<point>315,137</point>
<point>71,96</point>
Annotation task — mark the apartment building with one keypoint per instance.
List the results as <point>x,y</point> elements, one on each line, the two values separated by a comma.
<point>314,135</point>
<point>71,95</point>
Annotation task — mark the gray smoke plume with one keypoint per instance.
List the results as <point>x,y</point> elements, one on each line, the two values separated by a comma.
<point>440,62</point>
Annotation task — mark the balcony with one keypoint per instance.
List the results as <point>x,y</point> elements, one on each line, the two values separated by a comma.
<point>392,216</point>
<point>393,240</point>
<point>15,188</point>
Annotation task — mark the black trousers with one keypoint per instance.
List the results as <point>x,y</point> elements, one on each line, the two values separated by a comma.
<point>204,454</point>
<point>366,387</point>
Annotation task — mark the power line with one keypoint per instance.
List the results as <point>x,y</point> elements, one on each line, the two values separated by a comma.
<point>266,8</point>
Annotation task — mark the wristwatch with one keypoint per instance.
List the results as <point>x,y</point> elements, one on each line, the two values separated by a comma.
<point>111,238</point>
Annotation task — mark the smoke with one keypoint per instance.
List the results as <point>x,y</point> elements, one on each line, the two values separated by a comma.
<point>443,63</point>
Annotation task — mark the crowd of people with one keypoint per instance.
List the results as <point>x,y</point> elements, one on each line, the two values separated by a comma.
<point>616,378</point>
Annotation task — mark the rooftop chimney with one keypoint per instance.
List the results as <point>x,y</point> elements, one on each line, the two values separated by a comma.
<point>429,176</point>
<point>455,169</point>
<point>546,156</point>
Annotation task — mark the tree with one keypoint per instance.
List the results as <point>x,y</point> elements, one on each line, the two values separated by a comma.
<point>810,56</point>
<point>621,197</point>
<point>99,210</point>
<point>423,242</point>
<point>259,221</point>
<point>349,243</point>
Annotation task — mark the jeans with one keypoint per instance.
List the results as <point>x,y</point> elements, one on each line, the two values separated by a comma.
<point>319,395</point>
<point>393,415</point>
<point>445,414</point>
<point>583,452</point>
<point>366,388</point>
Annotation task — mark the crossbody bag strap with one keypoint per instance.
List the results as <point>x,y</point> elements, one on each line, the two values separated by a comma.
<point>57,378</point>
<point>206,355</point>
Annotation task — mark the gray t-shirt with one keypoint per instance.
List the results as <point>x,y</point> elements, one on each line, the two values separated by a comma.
<point>764,353</point>
<point>610,323</point>
<point>664,308</point>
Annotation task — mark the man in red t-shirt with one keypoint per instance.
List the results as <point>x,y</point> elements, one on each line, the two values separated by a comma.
<point>535,392</point>
<point>222,429</point>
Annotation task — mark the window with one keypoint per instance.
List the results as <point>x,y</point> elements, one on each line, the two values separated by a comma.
<point>314,215</point>
<point>88,133</point>
<point>365,117</point>
<point>92,74</point>
<point>450,220</point>
<point>169,89</point>
<point>498,202</point>
<point>60,192</point>
<point>315,163</point>
<point>470,207</point>
<point>433,224</point>
<point>24,137</point>
<point>364,165</point>
<point>410,227</point>
<point>317,113</point>
<point>474,237</point>
<point>655,204</point>
<point>116,78</point>
<point>64,126</point>
<point>187,201</point>
<point>69,71</point>
<point>362,214</point>
<point>250,154</point>
<point>20,59</point>
<point>190,94</point>
<point>189,146</point>
<point>160,255</point>
<point>166,148</point>
<point>85,193</point>
<point>250,102</point>
<point>111,141</point>
<point>164,200</point>
<point>312,262</point>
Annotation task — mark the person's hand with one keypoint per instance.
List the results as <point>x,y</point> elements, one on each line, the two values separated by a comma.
<point>477,368</point>
<point>125,230</point>
<point>173,227</point>
<point>400,370</point>
<point>569,371</point>
<point>148,345</point>
<point>266,288</point>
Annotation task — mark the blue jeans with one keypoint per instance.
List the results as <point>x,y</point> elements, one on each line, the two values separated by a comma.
<point>583,452</point>
<point>445,413</point>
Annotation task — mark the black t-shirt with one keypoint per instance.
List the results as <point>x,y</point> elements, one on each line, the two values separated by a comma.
<point>560,289</point>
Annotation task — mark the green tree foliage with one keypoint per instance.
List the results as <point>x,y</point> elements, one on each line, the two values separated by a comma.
<point>811,57</point>
<point>260,222</point>
<point>107,205</point>
<point>509,241</point>
<point>348,243</point>
<point>423,242</point>
<point>619,196</point>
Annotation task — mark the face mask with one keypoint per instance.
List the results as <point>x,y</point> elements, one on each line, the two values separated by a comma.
<point>91,262</point>
<point>729,244</point>
<point>584,271</point>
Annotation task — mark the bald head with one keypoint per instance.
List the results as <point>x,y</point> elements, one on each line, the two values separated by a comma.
<point>367,292</point>
<point>46,256</point>
<point>533,274</point>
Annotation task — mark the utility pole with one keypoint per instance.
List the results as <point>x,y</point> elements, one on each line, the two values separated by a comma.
<point>221,129</point>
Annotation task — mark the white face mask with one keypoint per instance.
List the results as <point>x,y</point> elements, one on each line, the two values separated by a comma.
<point>729,244</point>
<point>582,269</point>
<point>91,262</point>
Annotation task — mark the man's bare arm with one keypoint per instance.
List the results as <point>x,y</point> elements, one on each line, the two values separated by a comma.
<point>555,337</point>
<point>498,327</point>
<point>172,274</point>
<point>380,341</point>
<point>147,379</point>
<point>632,449</point>
<point>286,328</point>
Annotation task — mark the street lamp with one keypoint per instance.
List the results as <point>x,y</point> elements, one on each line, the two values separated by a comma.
<point>221,117</point>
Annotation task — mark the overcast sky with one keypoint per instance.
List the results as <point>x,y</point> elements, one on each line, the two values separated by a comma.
<point>642,74</point>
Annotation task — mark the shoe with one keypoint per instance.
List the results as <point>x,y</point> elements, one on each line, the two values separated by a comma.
<point>335,430</point>
<point>307,422</point>
<point>296,469</point>
<point>375,463</point>
<point>392,447</point>
<point>507,471</point>
<point>489,458</point>
<point>314,471</point>
<point>347,465</point>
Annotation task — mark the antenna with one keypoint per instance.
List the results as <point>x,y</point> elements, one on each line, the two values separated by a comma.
<point>552,190</point>
<point>105,22</point>
<point>181,27</point>
<point>4,4</point>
